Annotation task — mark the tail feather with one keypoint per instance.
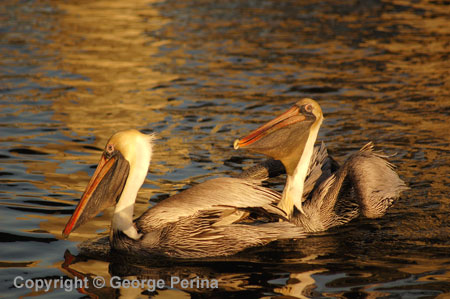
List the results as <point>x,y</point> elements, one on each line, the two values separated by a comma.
<point>376,183</point>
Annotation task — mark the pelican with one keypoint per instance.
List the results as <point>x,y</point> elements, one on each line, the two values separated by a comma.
<point>318,193</point>
<point>202,221</point>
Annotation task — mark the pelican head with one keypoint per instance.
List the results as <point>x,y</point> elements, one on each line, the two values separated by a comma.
<point>289,138</point>
<point>284,138</point>
<point>120,173</point>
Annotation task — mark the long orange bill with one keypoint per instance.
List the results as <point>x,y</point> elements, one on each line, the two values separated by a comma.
<point>104,166</point>
<point>287,118</point>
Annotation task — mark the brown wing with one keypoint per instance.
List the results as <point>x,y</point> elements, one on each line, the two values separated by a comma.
<point>210,195</point>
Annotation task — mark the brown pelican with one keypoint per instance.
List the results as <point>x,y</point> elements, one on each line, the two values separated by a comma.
<point>318,194</point>
<point>198,222</point>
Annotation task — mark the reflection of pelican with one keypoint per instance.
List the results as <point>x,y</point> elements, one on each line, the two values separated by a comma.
<point>197,222</point>
<point>365,184</point>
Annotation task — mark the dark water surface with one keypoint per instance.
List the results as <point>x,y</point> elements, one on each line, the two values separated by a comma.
<point>200,74</point>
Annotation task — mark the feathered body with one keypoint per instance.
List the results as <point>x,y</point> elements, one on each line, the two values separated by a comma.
<point>366,184</point>
<point>202,221</point>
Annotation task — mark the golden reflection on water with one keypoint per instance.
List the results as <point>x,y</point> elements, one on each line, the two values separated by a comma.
<point>110,52</point>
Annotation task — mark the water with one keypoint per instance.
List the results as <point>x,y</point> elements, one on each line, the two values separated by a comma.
<point>200,74</point>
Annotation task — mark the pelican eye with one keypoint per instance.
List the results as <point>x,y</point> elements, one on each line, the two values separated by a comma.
<point>308,107</point>
<point>110,148</point>
<point>109,151</point>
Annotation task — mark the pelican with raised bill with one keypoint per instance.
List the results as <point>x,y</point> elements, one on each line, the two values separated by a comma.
<point>202,221</point>
<point>318,193</point>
